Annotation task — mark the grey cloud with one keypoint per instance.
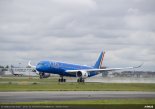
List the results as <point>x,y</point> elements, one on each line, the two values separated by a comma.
<point>76,31</point>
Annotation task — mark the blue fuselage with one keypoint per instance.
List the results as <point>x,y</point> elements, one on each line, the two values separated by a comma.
<point>60,68</point>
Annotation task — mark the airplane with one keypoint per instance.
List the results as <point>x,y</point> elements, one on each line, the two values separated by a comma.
<point>12,70</point>
<point>45,68</point>
<point>17,71</point>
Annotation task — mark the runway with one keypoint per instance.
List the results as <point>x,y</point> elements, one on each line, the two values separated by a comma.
<point>10,97</point>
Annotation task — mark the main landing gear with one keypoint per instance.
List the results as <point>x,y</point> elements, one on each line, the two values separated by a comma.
<point>41,75</point>
<point>62,79</point>
<point>80,80</point>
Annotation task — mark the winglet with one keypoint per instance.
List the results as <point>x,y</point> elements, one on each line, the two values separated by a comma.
<point>29,64</point>
<point>139,65</point>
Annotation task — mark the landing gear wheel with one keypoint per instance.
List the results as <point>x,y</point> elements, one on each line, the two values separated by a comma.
<point>41,77</point>
<point>79,80</point>
<point>62,80</point>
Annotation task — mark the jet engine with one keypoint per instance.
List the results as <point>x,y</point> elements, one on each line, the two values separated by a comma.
<point>82,74</point>
<point>44,75</point>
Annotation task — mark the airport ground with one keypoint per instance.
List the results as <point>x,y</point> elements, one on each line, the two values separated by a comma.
<point>32,90</point>
<point>52,84</point>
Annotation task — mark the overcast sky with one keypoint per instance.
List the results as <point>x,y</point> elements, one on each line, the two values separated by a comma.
<point>76,31</point>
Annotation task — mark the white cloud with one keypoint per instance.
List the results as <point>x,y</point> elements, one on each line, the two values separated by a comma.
<point>141,22</point>
<point>133,11</point>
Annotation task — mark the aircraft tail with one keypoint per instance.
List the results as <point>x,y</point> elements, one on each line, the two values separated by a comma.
<point>99,62</point>
<point>11,70</point>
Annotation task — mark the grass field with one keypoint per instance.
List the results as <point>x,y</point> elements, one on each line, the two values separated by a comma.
<point>51,84</point>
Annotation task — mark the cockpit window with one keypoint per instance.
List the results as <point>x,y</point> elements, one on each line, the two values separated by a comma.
<point>41,64</point>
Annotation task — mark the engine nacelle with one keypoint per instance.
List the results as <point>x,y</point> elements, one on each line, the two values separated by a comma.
<point>44,75</point>
<point>82,74</point>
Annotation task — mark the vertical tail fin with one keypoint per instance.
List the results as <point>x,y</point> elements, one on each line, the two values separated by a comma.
<point>99,62</point>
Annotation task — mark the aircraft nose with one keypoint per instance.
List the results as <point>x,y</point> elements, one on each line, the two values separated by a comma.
<point>38,68</point>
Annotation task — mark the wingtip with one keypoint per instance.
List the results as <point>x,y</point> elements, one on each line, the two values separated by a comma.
<point>140,65</point>
<point>29,63</point>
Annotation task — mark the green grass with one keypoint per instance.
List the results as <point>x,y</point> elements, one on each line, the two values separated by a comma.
<point>51,84</point>
<point>111,101</point>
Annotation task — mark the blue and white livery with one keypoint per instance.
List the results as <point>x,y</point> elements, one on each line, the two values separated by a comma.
<point>45,68</point>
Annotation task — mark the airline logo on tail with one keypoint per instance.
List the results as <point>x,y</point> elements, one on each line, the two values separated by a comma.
<point>101,62</point>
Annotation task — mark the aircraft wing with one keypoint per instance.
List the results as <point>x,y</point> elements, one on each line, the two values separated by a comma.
<point>100,70</point>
